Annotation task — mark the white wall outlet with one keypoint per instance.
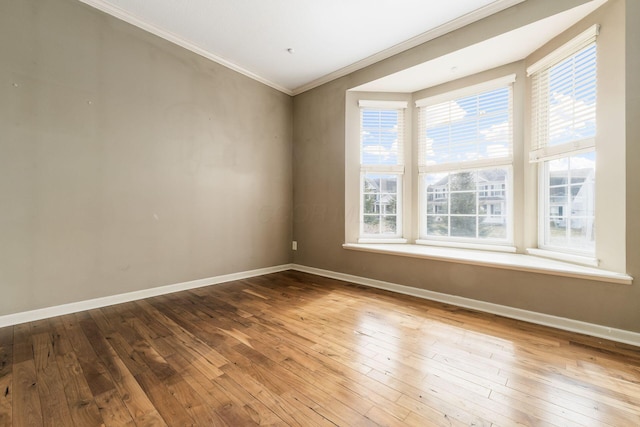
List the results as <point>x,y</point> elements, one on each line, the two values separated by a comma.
<point>294,245</point>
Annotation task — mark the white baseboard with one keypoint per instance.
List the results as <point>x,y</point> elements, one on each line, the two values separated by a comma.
<point>619,335</point>
<point>74,307</point>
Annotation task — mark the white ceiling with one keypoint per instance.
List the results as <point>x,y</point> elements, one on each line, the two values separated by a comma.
<point>505,49</point>
<point>329,38</point>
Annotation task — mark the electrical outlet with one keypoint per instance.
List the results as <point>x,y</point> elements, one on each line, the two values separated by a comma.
<point>294,245</point>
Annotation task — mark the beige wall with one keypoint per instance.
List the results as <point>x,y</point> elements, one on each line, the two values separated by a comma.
<point>632,83</point>
<point>319,177</point>
<point>127,162</point>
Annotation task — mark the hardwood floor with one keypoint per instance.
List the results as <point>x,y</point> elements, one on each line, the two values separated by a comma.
<point>301,350</point>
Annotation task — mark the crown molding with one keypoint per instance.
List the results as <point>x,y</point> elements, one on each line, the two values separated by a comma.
<point>180,41</point>
<point>443,29</point>
<point>450,26</point>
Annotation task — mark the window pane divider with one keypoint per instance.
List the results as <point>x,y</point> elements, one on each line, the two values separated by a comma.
<point>382,169</point>
<point>562,150</point>
<point>465,166</point>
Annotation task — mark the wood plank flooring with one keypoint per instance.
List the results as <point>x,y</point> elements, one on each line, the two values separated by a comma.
<point>302,350</point>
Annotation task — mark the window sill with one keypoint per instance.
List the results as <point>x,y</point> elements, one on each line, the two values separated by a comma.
<point>507,261</point>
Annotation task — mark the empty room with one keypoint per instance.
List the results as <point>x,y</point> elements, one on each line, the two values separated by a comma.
<point>319,213</point>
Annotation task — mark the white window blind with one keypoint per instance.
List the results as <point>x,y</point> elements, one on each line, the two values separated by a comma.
<point>381,135</point>
<point>564,99</point>
<point>469,129</point>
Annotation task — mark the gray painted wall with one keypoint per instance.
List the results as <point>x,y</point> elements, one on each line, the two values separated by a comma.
<point>127,162</point>
<point>319,173</point>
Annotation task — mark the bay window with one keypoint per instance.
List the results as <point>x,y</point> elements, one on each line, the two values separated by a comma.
<point>496,165</point>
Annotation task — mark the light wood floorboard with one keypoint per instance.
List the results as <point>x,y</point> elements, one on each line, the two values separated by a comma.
<point>293,349</point>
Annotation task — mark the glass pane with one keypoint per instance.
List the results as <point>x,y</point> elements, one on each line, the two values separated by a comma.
<point>463,226</point>
<point>492,209</point>
<point>437,196</point>
<point>436,179</point>
<point>437,225</point>
<point>371,184</point>
<point>389,224</point>
<point>557,200</point>
<point>370,204</point>
<point>463,181</point>
<point>493,228</point>
<point>557,235</point>
<point>389,204</point>
<point>389,184</point>
<point>371,224</point>
<point>582,233</point>
<point>463,203</point>
<point>438,207</point>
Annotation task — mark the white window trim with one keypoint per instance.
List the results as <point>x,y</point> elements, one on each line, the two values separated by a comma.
<point>563,256</point>
<point>507,261</point>
<point>375,103</point>
<point>558,151</point>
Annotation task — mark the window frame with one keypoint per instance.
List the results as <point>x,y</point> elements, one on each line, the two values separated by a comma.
<point>506,162</point>
<point>385,169</point>
<point>542,152</point>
